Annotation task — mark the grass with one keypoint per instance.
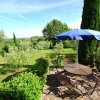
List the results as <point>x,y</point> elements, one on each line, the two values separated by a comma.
<point>10,73</point>
<point>33,56</point>
<point>44,53</point>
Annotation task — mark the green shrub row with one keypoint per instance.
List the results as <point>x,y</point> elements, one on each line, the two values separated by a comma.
<point>25,86</point>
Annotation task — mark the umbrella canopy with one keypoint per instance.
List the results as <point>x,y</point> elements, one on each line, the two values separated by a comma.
<point>82,34</point>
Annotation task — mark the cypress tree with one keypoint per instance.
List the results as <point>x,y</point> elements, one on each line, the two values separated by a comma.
<point>90,20</point>
<point>15,40</point>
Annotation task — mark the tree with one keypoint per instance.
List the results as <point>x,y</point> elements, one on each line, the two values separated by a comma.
<point>52,28</point>
<point>15,40</point>
<point>2,41</point>
<point>90,20</point>
<point>35,40</point>
<point>2,35</point>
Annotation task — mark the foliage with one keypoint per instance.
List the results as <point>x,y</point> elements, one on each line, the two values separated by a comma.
<point>2,41</point>
<point>58,46</point>
<point>12,48</point>
<point>16,59</point>
<point>25,45</point>
<point>5,49</point>
<point>4,70</point>
<point>1,47</point>
<point>52,28</point>
<point>43,45</point>
<point>41,66</point>
<point>90,20</point>
<point>32,56</point>
<point>90,17</point>
<point>9,42</point>
<point>25,86</point>
<point>14,39</point>
<point>57,61</point>
<point>98,58</point>
<point>35,40</point>
<point>2,35</point>
<point>69,43</point>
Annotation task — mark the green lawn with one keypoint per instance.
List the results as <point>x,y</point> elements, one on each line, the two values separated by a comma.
<point>33,56</point>
<point>43,53</point>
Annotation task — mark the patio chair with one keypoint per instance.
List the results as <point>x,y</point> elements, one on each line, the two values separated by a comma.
<point>67,82</point>
<point>91,84</point>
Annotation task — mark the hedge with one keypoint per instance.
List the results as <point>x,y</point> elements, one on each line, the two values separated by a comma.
<point>25,86</point>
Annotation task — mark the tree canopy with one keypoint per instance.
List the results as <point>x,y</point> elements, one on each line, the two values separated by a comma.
<point>54,27</point>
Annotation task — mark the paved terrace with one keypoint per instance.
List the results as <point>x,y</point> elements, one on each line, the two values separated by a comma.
<point>51,90</point>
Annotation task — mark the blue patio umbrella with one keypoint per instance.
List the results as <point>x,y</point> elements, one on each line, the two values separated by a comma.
<point>79,34</point>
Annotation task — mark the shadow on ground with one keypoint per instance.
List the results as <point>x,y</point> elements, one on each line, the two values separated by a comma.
<point>11,76</point>
<point>54,88</point>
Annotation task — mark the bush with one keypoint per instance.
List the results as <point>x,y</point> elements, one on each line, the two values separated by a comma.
<point>16,59</point>
<point>2,45</point>
<point>58,60</point>
<point>25,45</point>
<point>25,86</point>
<point>69,43</point>
<point>58,46</point>
<point>12,48</point>
<point>41,66</point>
<point>43,45</point>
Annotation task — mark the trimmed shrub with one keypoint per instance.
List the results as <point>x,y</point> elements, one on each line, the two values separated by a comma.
<point>25,86</point>
<point>41,66</point>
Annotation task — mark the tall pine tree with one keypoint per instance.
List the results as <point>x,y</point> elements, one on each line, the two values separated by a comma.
<point>90,20</point>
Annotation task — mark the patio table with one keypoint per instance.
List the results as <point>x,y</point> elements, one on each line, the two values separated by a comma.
<point>83,72</point>
<point>78,69</point>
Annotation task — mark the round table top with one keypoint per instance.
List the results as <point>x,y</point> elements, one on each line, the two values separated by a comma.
<point>78,69</point>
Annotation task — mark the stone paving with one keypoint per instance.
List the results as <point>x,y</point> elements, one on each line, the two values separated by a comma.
<point>51,90</point>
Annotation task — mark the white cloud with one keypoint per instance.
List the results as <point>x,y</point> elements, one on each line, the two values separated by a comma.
<point>75,24</point>
<point>11,6</point>
<point>20,16</point>
<point>7,19</point>
<point>25,33</point>
<point>23,17</point>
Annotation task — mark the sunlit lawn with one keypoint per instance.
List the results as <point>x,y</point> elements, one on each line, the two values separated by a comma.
<point>44,53</point>
<point>35,55</point>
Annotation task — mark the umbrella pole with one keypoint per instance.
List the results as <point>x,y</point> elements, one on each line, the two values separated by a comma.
<point>77,52</point>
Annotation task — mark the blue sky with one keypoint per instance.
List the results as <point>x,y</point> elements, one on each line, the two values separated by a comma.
<point>27,18</point>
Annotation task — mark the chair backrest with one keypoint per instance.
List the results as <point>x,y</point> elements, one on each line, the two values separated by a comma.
<point>90,86</point>
<point>65,81</point>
